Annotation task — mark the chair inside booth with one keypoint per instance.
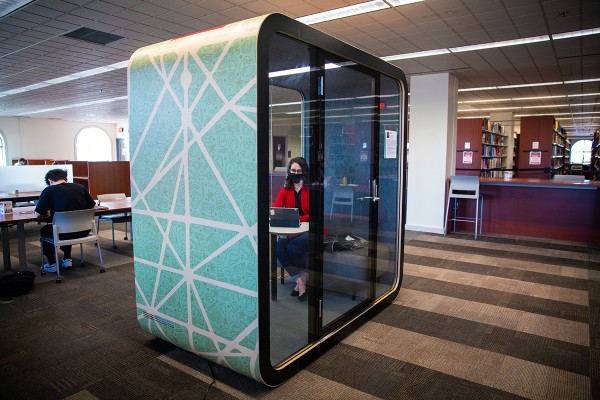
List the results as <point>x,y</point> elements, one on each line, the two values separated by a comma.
<point>345,132</point>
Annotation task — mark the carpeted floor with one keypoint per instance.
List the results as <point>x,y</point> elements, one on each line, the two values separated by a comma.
<point>496,318</point>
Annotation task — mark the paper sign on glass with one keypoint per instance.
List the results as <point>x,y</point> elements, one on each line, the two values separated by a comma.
<point>391,143</point>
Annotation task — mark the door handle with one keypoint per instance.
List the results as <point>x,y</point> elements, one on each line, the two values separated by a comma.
<point>374,199</point>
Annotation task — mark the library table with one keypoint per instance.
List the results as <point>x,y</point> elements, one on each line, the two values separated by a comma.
<point>22,215</point>
<point>22,196</point>
<point>543,208</point>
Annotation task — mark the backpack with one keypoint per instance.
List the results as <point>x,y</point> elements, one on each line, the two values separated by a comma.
<point>346,242</point>
<point>16,283</point>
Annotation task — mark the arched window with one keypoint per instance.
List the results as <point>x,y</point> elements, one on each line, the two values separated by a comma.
<point>2,149</point>
<point>93,144</point>
<point>581,152</point>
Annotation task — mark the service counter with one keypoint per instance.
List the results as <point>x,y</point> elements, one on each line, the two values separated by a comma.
<point>543,208</point>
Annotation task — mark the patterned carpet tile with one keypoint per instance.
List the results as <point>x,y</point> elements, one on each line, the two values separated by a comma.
<point>496,318</point>
<point>495,296</point>
<point>484,367</point>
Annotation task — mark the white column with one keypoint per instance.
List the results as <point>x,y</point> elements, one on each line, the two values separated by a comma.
<point>432,149</point>
<point>506,119</point>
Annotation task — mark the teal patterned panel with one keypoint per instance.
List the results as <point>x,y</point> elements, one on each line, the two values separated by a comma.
<point>193,177</point>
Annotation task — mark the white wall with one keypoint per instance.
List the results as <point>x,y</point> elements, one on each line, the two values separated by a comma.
<point>432,149</point>
<point>37,138</point>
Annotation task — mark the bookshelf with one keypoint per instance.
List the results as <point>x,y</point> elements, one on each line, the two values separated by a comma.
<point>544,148</point>
<point>595,158</point>
<point>481,148</point>
<point>561,151</point>
<point>101,177</point>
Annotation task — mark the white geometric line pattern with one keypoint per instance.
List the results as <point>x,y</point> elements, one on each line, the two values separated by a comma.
<point>193,178</point>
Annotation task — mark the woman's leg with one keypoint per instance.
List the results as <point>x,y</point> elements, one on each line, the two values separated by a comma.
<point>297,250</point>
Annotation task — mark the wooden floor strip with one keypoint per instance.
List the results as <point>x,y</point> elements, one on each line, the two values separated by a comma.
<point>509,374</point>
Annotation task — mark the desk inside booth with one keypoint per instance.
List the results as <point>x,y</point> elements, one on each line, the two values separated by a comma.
<point>23,215</point>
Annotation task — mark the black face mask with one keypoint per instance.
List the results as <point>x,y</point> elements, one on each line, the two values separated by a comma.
<point>296,178</point>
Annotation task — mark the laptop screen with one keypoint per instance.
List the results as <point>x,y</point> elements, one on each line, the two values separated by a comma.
<point>284,217</point>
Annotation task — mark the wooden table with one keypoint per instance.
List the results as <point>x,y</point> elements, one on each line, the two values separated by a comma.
<point>22,196</point>
<point>22,215</point>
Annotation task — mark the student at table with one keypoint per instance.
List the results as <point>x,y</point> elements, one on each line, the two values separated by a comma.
<point>59,196</point>
<point>291,250</point>
<point>21,162</point>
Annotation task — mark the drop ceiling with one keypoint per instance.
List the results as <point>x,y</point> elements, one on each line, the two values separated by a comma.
<point>33,49</point>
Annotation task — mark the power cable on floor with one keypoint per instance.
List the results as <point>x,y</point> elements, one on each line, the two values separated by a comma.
<point>212,375</point>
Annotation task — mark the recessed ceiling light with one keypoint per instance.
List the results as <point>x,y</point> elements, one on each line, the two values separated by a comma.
<point>584,94</point>
<point>478,88</point>
<point>417,54</point>
<point>567,35</point>
<point>530,85</point>
<point>89,103</point>
<point>397,3</point>
<point>504,43</point>
<point>343,12</point>
<point>539,97</point>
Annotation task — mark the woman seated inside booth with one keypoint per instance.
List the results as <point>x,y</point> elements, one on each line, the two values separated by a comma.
<point>291,250</point>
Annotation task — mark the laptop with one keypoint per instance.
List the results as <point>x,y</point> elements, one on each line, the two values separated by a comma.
<point>280,217</point>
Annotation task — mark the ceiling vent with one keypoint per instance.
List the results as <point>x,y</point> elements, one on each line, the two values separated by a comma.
<point>93,36</point>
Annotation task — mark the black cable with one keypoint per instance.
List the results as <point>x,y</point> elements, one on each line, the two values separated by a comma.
<point>212,375</point>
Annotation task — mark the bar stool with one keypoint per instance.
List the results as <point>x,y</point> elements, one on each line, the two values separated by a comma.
<point>465,187</point>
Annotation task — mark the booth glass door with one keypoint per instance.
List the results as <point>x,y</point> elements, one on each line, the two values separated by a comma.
<point>350,118</point>
<point>344,120</point>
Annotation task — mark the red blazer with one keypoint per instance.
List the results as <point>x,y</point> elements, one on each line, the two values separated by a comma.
<point>286,198</point>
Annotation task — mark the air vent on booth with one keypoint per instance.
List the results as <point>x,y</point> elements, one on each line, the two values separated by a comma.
<point>93,36</point>
<point>159,319</point>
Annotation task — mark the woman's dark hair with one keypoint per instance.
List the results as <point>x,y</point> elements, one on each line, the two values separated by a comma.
<point>55,175</point>
<point>303,166</point>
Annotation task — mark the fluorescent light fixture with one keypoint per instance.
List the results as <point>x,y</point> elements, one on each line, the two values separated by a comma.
<point>530,85</point>
<point>343,12</point>
<point>562,96</point>
<point>488,109</point>
<point>579,118</point>
<point>498,108</point>
<point>89,103</point>
<point>417,54</point>
<point>584,94</point>
<point>565,113</point>
<point>548,106</point>
<point>583,81</point>
<point>478,88</point>
<point>567,35</point>
<point>483,101</point>
<point>397,3</point>
<point>66,78</point>
<point>504,43</point>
